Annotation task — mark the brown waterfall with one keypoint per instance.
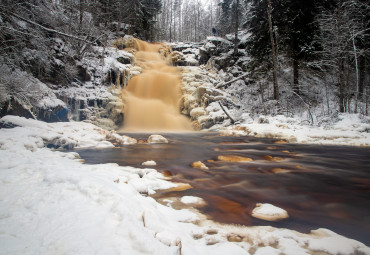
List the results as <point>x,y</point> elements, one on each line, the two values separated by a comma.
<point>152,98</point>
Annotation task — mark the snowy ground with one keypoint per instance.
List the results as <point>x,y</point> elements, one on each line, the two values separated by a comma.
<point>53,203</point>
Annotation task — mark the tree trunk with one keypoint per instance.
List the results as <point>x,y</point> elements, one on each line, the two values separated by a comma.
<point>362,75</point>
<point>295,74</point>
<point>170,22</point>
<point>274,57</point>
<point>341,84</point>
<point>236,28</point>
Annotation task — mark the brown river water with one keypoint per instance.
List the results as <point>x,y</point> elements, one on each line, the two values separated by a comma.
<point>320,186</point>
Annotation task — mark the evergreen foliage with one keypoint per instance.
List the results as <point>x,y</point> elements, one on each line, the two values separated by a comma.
<point>294,31</point>
<point>224,24</point>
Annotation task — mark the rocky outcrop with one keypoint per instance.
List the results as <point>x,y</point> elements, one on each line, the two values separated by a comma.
<point>200,97</point>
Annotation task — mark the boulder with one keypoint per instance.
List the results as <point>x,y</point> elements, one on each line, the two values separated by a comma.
<point>269,212</point>
<point>176,58</point>
<point>200,165</point>
<point>157,139</point>
<point>149,163</point>
<point>124,60</point>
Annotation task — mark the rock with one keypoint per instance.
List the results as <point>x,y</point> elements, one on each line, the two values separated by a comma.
<point>125,42</point>
<point>271,158</point>
<point>269,212</point>
<point>124,60</point>
<point>149,163</point>
<point>214,46</point>
<point>180,187</point>
<point>120,140</point>
<point>233,158</point>
<point>200,165</point>
<point>196,112</point>
<point>119,44</point>
<point>176,58</point>
<point>83,73</point>
<point>157,139</point>
<point>192,200</point>
<point>212,232</point>
<point>206,121</point>
<point>204,56</point>
<point>234,238</point>
<point>280,170</point>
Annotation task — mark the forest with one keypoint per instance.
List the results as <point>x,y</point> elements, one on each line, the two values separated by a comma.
<point>325,40</point>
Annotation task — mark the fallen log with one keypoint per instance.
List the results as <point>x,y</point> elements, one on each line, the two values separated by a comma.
<point>220,85</point>
<point>227,114</point>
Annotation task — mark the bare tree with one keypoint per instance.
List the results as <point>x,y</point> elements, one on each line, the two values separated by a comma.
<point>340,28</point>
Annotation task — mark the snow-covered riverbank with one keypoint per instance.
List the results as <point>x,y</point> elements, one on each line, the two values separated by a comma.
<point>53,203</point>
<point>350,129</point>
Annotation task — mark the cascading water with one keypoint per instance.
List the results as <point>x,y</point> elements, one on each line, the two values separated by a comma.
<point>152,98</point>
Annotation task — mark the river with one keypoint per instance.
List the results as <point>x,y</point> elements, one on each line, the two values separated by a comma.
<point>320,186</point>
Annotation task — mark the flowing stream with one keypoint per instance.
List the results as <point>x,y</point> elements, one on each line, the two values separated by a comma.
<point>319,186</point>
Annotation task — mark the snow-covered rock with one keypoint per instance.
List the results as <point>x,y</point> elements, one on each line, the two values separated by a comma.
<point>149,163</point>
<point>192,200</point>
<point>157,139</point>
<point>269,212</point>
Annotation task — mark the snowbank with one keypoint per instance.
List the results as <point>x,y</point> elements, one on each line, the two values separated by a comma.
<point>52,203</point>
<point>350,129</point>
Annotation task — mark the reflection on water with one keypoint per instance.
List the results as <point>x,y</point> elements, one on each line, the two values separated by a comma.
<point>319,186</point>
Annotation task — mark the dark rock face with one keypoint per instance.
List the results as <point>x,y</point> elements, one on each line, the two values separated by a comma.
<point>83,74</point>
<point>204,56</point>
<point>124,60</point>
<point>218,48</point>
<point>12,107</point>
<point>54,114</point>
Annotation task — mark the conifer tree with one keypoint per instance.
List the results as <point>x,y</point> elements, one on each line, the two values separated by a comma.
<point>224,24</point>
<point>293,22</point>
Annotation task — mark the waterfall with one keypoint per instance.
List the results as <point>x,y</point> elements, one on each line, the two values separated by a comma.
<point>151,99</point>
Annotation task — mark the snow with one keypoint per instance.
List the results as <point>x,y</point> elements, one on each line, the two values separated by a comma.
<point>269,209</point>
<point>157,139</point>
<point>53,203</point>
<point>29,91</point>
<point>267,251</point>
<point>149,163</point>
<point>269,212</point>
<point>191,200</point>
<point>351,129</point>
